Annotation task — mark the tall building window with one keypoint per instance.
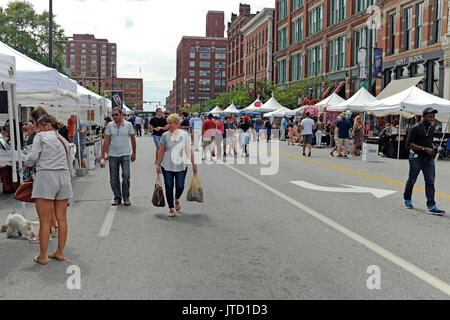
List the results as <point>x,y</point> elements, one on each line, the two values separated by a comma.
<point>392,18</point>
<point>364,4</point>
<point>419,26</point>
<point>205,64</point>
<point>315,61</point>
<point>282,71</point>
<point>437,20</point>
<point>282,38</point>
<point>296,4</point>
<point>315,20</point>
<point>337,54</point>
<point>338,10</point>
<point>205,55</point>
<point>297,30</point>
<point>407,18</point>
<point>282,9</point>
<point>220,56</point>
<point>296,67</point>
<point>192,55</point>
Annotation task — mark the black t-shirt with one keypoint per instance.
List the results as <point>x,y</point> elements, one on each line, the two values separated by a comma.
<point>157,123</point>
<point>422,135</point>
<point>245,126</point>
<point>268,125</point>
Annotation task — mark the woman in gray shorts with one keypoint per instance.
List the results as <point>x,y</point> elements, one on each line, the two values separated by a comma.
<point>52,186</point>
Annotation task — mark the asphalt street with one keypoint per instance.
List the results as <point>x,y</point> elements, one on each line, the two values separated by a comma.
<point>255,237</point>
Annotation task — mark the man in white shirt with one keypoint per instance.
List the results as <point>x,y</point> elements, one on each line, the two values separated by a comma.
<point>306,131</point>
<point>138,126</point>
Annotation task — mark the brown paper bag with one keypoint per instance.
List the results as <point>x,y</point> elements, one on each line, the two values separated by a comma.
<point>195,193</point>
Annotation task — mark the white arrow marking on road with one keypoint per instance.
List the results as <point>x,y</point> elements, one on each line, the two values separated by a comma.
<point>379,193</point>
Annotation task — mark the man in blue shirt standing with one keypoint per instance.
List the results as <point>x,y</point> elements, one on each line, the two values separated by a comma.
<point>344,127</point>
<point>80,133</point>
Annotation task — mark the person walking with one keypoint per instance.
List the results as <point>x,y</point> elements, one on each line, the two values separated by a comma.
<point>196,124</point>
<point>228,136</point>
<point>344,127</point>
<point>245,126</point>
<point>268,128</point>
<point>219,135</point>
<point>52,186</point>
<point>258,125</point>
<point>421,158</point>
<point>174,156</point>
<point>319,133</point>
<point>283,129</point>
<point>119,133</point>
<point>184,123</point>
<point>158,125</point>
<point>357,135</point>
<point>80,134</point>
<point>138,125</point>
<point>306,130</point>
<point>208,134</point>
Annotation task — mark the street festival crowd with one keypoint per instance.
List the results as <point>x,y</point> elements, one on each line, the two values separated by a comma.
<point>181,135</point>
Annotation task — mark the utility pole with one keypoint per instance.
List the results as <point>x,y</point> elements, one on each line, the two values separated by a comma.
<point>50,34</point>
<point>256,59</point>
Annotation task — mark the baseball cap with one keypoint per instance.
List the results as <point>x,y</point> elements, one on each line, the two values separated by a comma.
<point>429,110</point>
<point>217,116</point>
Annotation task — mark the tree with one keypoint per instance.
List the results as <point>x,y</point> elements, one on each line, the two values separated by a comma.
<point>26,31</point>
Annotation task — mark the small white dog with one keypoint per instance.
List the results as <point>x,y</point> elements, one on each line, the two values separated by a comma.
<point>17,226</point>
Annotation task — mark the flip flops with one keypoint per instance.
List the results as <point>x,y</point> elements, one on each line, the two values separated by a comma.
<point>54,257</point>
<point>36,260</point>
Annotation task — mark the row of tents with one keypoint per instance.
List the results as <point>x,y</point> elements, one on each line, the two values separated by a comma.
<point>407,103</point>
<point>39,85</point>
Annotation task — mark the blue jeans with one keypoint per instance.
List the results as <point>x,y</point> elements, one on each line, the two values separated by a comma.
<point>426,165</point>
<point>180,178</point>
<point>157,139</point>
<point>114,167</point>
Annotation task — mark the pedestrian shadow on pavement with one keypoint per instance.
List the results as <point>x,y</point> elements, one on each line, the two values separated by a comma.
<point>196,219</point>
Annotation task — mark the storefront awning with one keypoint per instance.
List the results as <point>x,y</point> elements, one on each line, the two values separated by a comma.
<point>339,87</point>
<point>396,86</point>
<point>325,93</point>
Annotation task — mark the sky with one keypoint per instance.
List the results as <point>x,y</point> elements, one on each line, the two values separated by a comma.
<point>147,32</point>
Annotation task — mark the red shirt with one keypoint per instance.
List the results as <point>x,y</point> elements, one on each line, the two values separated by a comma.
<point>209,129</point>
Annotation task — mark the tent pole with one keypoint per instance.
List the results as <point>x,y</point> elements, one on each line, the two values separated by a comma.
<point>399,136</point>
<point>12,135</point>
<point>16,114</point>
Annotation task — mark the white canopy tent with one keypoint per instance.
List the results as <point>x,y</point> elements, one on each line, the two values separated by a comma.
<point>8,83</point>
<point>332,100</point>
<point>230,110</point>
<point>357,103</point>
<point>253,107</point>
<point>38,84</point>
<point>216,110</point>
<point>271,105</point>
<point>296,112</point>
<point>409,103</point>
<point>282,112</point>
<point>126,110</point>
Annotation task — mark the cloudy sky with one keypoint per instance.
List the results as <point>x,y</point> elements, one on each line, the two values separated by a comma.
<point>147,32</point>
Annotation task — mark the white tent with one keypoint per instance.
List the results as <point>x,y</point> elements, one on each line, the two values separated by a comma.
<point>271,105</point>
<point>282,112</point>
<point>8,83</point>
<point>408,103</point>
<point>332,100</point>
<point>296,112</point>
<point>126,110</point>
<point>216,110</point>
<point>36,83</point>
<point>230,110</point>
<point>357,103</point>
<point>254,107</point>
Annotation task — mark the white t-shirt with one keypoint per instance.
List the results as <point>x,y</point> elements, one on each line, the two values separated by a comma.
<point>138,120</point>
<point>308,125</point>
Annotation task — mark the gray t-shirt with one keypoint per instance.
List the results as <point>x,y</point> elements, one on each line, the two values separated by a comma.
<point>308,125</point>
<point>83,136</point>
<point>120,139</point>
<point>175,157</point>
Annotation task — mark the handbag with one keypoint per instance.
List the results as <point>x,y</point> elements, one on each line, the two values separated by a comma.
<point>158,199</point>
<point>24,192</point>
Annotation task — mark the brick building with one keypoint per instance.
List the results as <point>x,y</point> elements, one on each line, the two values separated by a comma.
<point>322,38</point>
<point>86,56</point>
<point>133,88</point>
<point>201,65</point>
<point>258,47</point>
<point>235,58</point>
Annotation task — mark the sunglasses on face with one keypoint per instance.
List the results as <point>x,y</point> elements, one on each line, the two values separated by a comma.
<point>115,115</point>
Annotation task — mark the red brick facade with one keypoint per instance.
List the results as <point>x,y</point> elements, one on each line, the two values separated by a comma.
<point>235,58</point>
<point>215,26</point>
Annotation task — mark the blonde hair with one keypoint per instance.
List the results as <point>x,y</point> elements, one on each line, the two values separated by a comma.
<point>358,118</point>
<point>174,118</point>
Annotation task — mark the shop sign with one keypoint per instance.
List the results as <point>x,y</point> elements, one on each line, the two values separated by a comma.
<point>409,60</point>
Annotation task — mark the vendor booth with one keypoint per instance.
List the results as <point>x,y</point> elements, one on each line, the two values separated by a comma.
<point>271,105</point>
<point>357,103</point>
<point>254,107</point>
<point>216,110</point>
<point>230,110</point>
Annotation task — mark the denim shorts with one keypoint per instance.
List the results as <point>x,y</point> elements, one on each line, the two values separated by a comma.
<point>157,140</point>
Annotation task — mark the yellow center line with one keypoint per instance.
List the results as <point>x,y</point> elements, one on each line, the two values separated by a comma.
<point>362,174</point>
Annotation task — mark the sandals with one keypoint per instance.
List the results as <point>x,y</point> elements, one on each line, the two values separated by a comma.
<point>171,215</point>
<point>116,203</point>
<point>177,205</point>
<point>36,260</point>
<point>55,257</point>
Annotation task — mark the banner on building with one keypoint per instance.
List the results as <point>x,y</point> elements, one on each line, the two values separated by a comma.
<point>378,67</point>
<point>117,99</point>
<point>362,63</point>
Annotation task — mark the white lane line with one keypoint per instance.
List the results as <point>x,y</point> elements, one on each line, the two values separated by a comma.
<point>414,270</point>
<point>107,223</point>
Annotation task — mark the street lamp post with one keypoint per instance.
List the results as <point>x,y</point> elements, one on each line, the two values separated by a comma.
<point>50,34</point>
<point>256,59</point>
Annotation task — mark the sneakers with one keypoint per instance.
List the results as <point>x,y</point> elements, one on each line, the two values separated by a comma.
<point>309,154</point>
<point>408,204</point>
<point>435,211</point>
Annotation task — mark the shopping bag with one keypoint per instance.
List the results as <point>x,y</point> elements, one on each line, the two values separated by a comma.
<point>25,191</point>
<point>195,193</point>
<point>245,138</point>
<point>158,199</point>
